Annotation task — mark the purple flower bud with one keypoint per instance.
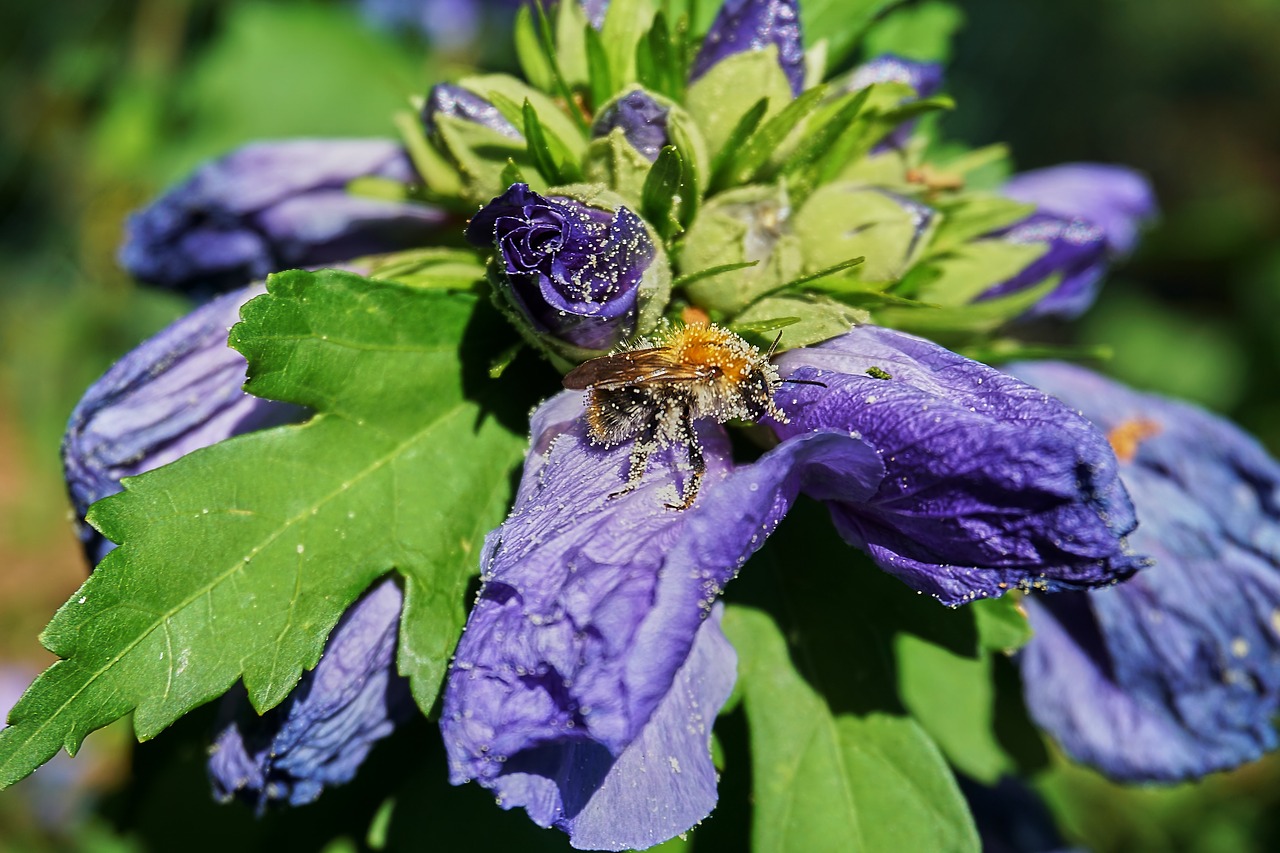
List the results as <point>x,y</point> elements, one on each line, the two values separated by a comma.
<point>1115,198</point>
<point>175,393</point>
<point>1176,672</point>
<point>448,99</point>
<point>1087,214</point>
<point>1077,251</point>
<point>595,10</point>
<point>642,119</point>
<point>745,25</point>
<point>572,270</point>
<point>321,734</point>
<point>272,206</point>
<point>990,484</point>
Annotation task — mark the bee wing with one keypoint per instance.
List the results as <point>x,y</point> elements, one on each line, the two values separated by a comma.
<point>632,367</point>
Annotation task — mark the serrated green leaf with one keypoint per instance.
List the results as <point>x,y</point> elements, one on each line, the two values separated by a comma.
<point>236,561</point>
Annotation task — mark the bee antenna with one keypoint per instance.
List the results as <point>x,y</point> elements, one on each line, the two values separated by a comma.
<point>806,382</point>
<point>774,346</point>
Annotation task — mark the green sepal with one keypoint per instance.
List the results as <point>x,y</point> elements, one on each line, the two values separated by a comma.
<point>829,146</point>
<point>550,156</point>
<point>747,163</point>
<point>969,270</point>
<point>613,161</point>
<point>841,23</point>
<point>971,215</point>
<point>530,52</point>
<point>811,318</point>
<point>719,99</point>
<point>958,326</point>
<point>441,269</point>
<point>663,192</point>
<point>625,23</point>
<point>739,226</point>
<point>509,94</point>
<point>845,220</point>
<point>479,154</point>
<point>236,561</point>
<point>440,177</point>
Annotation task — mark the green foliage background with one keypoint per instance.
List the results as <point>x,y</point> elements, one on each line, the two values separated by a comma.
<point>102,104</point>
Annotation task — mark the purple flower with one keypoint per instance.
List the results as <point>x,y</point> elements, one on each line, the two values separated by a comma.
<point>746,25</point>
<point>448,99</point>
<point>572,270</point>
<point>271,206</point>
<point>1087,215</point>
<point>990,484</point>
<point>592,665</point>
<point>924,77</point>
<point>642,119</point>
<point>175,393</point>
<point>1115,198</point>
<point>1176,672</point>
<point>321,734</point>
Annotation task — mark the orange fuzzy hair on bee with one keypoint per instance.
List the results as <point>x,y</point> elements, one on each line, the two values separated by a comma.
<point>654,390</point>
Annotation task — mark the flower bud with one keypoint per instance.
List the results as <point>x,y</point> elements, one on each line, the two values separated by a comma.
<point>271,206</point>
<point>448,99</point>
<point>572,271</point>
<point>643,122</point>
<point>1076,251</point>
<point>745,25</point>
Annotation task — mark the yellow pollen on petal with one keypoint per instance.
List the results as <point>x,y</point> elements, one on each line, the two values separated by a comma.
<point>1127,436</point>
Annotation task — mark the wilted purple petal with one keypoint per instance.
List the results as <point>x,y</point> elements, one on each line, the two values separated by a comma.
<point>449,99</point>
<point>745,25</point>
<point>1176,672</point>
<point>642,119</point>
<point>271,206</point>
<point>571,687</point>
<point>175,393</point>
<point>572,269</point>
<point>1115,198</point>
<point>1077,252</point>
<point>321,734</point>
<point>924,77</point>
<point>990,484</point>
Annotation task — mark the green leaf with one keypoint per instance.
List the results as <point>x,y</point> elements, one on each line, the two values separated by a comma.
<point>236,561</point>
<point>738,136</point>
<point>972,268</point>
<point>813,318</point>
<point>658,63</point>
<point>440,176</point>
<point>828,147</point>
<point>846,220</point>
<point>599,75</point>
<point>920,31</point>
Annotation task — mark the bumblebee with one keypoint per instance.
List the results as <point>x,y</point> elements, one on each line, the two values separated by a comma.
<point>655,389</point>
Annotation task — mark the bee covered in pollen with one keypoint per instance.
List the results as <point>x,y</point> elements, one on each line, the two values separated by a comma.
<point>655,389</point>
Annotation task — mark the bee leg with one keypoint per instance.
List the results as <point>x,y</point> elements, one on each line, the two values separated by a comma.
<point>637,466</point>
<point>697,463</point>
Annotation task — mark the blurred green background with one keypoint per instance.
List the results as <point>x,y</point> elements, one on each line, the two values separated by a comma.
<point>105,102</point>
